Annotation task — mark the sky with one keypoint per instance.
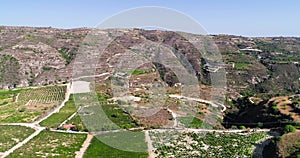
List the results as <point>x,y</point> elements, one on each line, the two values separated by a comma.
<point>237,17</point>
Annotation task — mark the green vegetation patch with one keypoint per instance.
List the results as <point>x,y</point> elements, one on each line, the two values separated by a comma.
<point>49,94</point>
<point>289,128</point>
<point>190,122</point>
<point>63,53</point>
<point>241,65</point>
<point>51,144</point>
<point>64,113</point>
<point>76,120</point>
<point>15,113</point>
<point>11,135</point>
<point>120,144</point>
<point>5,94</point>
<point>118,116</point>
<point>32,103</point>
<point>139,72</point>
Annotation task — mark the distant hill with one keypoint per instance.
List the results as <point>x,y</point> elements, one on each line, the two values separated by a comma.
<point>42,56</point>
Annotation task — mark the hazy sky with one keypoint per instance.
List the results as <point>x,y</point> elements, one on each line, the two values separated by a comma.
<point>238,17</point>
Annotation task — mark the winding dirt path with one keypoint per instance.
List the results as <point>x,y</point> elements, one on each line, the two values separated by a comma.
<point>174,115</point>
<point>22,143</point>
<point>150,146</point>
<point>17,97</point>
<point>199,100</point>
<point>56,110</point>
<point>35,125</point>
<point>85,145</point>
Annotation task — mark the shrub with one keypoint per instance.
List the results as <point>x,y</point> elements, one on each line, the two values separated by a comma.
<point>275,109</point>
<point>279,138</point>
<point>242,127</point>
<point>260,125</point>
<point>4,103</point>
<point>289,128</point>
<point>45,68</point>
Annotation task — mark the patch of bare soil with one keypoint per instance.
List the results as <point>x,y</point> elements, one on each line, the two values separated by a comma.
<point>159,119</point>
<point>284,106</point>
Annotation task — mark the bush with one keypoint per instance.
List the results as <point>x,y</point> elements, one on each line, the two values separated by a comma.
<point>45,68</point>
<point>279,138</point>
<point>260,125</point>
<point>242,127</point>
<point>275,109</point>
<point>4,103</point>
<point>289,128</point>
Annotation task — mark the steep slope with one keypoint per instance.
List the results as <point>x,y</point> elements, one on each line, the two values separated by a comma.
<point>264,66</point>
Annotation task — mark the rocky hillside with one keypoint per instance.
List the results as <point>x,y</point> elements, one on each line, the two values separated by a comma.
<point>260,66</point>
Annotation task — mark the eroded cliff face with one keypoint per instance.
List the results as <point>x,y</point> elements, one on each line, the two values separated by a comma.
<point>43,55</point>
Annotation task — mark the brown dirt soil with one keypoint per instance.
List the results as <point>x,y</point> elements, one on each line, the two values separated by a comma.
<point>161,118</point>
<point>283,105</point>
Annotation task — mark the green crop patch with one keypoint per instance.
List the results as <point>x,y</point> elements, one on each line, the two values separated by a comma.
<point>120,144</point>
<point>64,113</point>
<point>51,144</point>
<point>118,116</point>
<point>190,122</point>
<point>31,104</point>
<point>11,135</point>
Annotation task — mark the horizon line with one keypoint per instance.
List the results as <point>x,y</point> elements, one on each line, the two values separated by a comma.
<point>210,34</point>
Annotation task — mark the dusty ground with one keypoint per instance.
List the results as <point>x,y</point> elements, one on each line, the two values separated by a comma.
<point>283,105</point>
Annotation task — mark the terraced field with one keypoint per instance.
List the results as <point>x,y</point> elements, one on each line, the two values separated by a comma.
<point>109,141</point>
<point>27,105</point>
<point>44,95</point>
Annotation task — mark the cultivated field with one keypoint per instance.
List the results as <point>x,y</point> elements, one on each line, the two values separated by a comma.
<point>27,105</point>
<point>11,135</point>
<point>51,144</point>
<point>64,113</point>
<point>211,144</point>
<point>109,145</point>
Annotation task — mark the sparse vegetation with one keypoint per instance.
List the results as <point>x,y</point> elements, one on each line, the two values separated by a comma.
<point>190,144</point>
<point>289,145</point>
